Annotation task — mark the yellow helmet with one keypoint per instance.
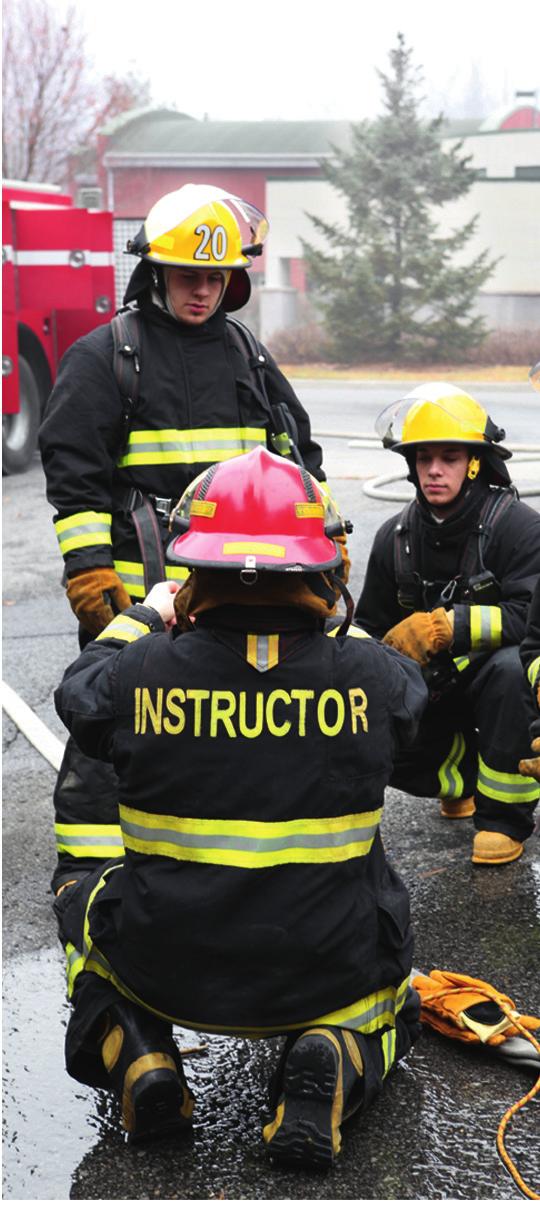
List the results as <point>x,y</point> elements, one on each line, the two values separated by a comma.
<point>201,226</point>
<point>437,412</point>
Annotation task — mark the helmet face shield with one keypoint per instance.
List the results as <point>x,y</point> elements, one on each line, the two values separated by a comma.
<point>436,413</point>
<point>200,226</point>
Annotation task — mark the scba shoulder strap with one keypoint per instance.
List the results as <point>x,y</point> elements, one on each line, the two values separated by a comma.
<point>472,575</point>
<point>283,429</point>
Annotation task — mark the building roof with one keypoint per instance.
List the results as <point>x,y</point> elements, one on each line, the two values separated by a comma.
<point>158,132</point>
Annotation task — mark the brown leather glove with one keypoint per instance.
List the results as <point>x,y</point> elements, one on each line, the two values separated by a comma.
<point>531,767</point>
<point>422,635</point>
<point>86,595</point>
<point>343,570</point>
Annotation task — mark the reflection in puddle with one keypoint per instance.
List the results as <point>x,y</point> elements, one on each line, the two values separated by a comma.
<point>430,1134</point>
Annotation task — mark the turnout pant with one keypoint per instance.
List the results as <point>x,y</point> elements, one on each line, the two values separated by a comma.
<point>92,995</point>
<point>470,742</point>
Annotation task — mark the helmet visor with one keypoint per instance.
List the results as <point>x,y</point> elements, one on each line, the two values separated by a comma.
<point>456,418</point>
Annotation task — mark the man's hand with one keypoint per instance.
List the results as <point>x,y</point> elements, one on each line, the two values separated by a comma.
<point>422,635</point>
<point>531,767</point>
<point>86,594</point>
<point>161,597</point>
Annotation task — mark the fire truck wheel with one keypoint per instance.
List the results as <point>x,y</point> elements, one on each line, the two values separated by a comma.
<point>20,430</point>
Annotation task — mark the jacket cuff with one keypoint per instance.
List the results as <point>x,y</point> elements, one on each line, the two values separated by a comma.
<point>462,629</point>
<point>148,615</point>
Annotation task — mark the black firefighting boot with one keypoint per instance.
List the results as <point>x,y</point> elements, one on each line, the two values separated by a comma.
<point>320,1078</point>
<point>145,1070</point>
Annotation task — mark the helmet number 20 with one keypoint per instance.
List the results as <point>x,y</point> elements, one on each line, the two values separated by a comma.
<point>217,240</point>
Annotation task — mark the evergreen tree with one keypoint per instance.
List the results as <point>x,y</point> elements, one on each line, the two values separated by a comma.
<point>390,286</point>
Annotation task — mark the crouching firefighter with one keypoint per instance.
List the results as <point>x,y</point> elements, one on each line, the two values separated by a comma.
<point>449,581</point>
<point>253,896</point>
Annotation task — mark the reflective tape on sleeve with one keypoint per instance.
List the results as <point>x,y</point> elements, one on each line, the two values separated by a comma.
<point>533,671</point>
<point>249,844</point>
<point>85,840</point>
<point>132,576</point>
<point>123,629</point>
<point>486,627</point>
<point>189,446</point>
<point>83,529</point>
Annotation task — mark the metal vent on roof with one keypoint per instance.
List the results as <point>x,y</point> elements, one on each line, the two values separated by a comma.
<point>90,197</point>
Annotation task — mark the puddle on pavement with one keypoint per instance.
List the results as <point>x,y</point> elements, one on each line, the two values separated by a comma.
<point>430,1134</point>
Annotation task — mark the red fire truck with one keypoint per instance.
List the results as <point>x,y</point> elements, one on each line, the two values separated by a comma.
<point>58,283</point>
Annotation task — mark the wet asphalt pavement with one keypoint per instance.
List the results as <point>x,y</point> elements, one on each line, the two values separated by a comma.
<point>431,1134</point>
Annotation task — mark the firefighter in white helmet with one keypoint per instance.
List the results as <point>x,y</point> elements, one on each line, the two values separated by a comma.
<point>140,407</point>
<point>449,581</point>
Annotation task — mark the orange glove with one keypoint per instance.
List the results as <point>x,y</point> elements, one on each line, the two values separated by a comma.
<point>85,593</point>
<point>422,635</point>
<point>446,999</point>
<point>531,767</point>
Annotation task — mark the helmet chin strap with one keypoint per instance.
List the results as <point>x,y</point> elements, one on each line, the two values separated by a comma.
<point>349,605</point>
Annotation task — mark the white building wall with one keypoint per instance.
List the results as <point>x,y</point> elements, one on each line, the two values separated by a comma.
<point>508,227</point>
<point>500,152</point>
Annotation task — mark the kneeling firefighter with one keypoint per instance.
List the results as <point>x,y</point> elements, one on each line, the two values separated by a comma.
<point>253,896</point>
<point>449,581</point>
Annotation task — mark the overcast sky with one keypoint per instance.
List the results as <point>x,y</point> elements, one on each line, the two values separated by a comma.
<point>303,59</point>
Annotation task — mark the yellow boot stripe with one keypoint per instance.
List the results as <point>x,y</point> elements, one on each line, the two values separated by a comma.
<point>270,1130</point>
<point>337,1105</point>
<point>354,1053</point>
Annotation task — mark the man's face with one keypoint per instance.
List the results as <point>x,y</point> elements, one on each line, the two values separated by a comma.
<point>441,472</point>
<point>194,294</point>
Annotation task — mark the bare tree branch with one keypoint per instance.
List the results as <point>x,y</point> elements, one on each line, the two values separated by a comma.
<point>53,102</point>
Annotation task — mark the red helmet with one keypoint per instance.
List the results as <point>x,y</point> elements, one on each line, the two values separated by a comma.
<point>256,512</point>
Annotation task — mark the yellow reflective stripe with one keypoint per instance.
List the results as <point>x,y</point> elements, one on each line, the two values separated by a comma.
<point>486,626</point>
<point>506,786</point>
<point>354,631</point>
<point>82,529</point>
<point>254,547</point>
<point>367,1015</point>
<point>123,629</point>
<point>132,576</point>
<point>88,839</point>
<point>262,650</point>
<point>450,778</point>
<point>190,445</point>
<point>533,671</point>
<point>461,662</point>
<point>388,1046</point>
<point>74,966</point>
<point>87,939</point>
<point>306,511</point>
<point>203,507</point>
<point>249,844</point>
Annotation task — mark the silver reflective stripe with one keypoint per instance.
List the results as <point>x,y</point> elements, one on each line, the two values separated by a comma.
<point>506,786</point>
<point>368,1019</point>
<point>244,843</point>
<point>450,778</point>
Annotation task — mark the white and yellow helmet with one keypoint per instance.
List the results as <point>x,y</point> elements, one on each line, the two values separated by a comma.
<point>201,226</point>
